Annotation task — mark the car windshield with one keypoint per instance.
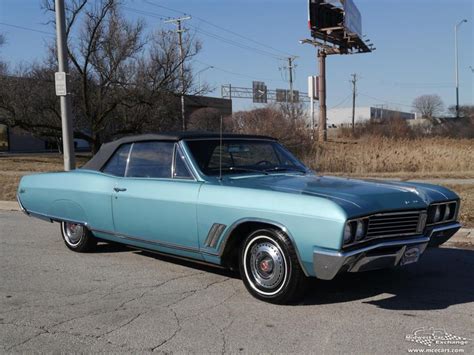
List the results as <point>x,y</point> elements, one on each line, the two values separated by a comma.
<point>243,156</point>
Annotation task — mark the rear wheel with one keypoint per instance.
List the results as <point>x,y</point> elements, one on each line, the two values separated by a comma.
<point>77,237</point>
<point>269,267</point>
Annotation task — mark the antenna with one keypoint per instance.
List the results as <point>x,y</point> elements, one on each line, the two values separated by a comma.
<point>220,150</point>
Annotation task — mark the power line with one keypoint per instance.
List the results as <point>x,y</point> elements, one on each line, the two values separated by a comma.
<point>387,101</point>
<point>341,102</point>
<point>235,73</point>
<point>209,34</point>
<point>28,29</point>
<point>223,29</point>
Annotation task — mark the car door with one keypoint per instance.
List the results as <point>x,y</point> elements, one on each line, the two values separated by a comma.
<point>155,201</point>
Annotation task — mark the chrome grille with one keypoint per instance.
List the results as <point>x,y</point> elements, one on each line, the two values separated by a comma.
<point>393,224</point>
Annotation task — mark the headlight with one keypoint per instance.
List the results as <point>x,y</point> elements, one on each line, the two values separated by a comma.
<point>447,212</point>
<point>360,231</point>
<point>437,215</point>
<point>347,233</point>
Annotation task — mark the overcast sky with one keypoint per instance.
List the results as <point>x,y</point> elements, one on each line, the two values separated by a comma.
<point>414,41</point>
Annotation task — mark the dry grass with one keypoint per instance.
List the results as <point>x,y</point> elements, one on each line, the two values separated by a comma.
<point>8,186</point>
<point>466,192</point>
<point>12,168</point>
<point>422,158</point>
<point>427,157</point>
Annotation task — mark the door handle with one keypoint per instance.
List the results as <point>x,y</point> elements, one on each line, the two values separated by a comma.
<point>119,189</point>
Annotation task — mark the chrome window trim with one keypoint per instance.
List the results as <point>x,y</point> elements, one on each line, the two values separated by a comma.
<point>178,150</point>
<point>189,160</point>
<point>101,170</point>
<point>128,159</point>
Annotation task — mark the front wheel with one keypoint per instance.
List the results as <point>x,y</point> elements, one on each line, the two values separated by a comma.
<point>77,237</point>
<point>269,267</point>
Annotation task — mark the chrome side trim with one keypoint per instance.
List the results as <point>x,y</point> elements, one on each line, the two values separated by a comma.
<point>156,243</point>
<point>51,218</point>
<point>214,234</point>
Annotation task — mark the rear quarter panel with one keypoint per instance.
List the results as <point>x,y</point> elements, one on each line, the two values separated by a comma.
<point>82,196</point>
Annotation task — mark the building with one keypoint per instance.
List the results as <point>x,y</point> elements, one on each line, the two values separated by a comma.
<point>338,117</point>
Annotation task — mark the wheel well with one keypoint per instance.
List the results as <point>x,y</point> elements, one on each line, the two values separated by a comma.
<point>230,255</point>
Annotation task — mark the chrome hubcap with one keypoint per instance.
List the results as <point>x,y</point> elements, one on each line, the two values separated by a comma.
<point>73,232</point>
<point>266,264</point>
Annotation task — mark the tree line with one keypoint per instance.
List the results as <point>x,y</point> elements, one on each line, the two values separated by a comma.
<point>123,78</point>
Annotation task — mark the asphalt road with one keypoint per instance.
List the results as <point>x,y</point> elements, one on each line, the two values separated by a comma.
<point>123,300</point>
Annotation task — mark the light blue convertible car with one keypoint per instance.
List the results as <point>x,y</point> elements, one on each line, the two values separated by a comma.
<point>242,202</point>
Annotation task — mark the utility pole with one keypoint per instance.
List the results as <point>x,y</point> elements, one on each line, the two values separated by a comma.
<point>354,82</point>
<point>61,88</point>
<point>322,129</point>
<point>290,70</point>
<point>457,64</point>
<point>180,30</point>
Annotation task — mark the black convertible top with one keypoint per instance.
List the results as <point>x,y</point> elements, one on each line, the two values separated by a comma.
<point>107,149</point>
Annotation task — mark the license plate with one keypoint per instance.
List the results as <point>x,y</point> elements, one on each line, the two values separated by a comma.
<point>410,256</point>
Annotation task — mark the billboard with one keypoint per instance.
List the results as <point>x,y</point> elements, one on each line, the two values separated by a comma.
<point>322,15</point>
<point>337,22</point>
<point>352,18</point>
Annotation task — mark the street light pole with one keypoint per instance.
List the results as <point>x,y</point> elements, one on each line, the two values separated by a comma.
<point>457,64</point>
<point>199,76</point>
<point>180,30</point>
<point>65,97</point>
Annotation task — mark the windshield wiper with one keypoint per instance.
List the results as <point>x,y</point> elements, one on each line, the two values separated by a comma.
<point>286,168</point>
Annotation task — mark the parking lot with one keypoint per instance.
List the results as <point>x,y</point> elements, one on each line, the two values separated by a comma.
<point>119,299</point>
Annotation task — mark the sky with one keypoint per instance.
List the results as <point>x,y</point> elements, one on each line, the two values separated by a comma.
<point>414,41</point>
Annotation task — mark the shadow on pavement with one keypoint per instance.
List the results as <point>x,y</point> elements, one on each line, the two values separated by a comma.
<point>443,277</point>
<point>190,263</point>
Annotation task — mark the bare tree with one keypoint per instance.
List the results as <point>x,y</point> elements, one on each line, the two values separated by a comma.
<point>205,119</point>
<point>122,80</point>
<point>3,65</point>
<point>271,121</point>
<point>428,106</point>
<point>465,111</point>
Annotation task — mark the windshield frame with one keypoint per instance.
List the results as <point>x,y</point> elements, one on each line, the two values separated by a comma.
<point>300,168</point>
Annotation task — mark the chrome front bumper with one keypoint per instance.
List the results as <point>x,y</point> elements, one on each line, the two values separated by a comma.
<point>328,263</point>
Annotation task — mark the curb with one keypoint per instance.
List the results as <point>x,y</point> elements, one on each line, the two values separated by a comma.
<point>9,206</point>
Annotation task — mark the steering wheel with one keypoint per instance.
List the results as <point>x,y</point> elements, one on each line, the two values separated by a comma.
<point>263,162</point>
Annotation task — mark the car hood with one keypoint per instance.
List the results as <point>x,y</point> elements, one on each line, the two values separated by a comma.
<point>355,196</point>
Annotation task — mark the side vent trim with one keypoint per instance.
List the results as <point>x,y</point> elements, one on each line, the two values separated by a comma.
<point>214,234</point>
